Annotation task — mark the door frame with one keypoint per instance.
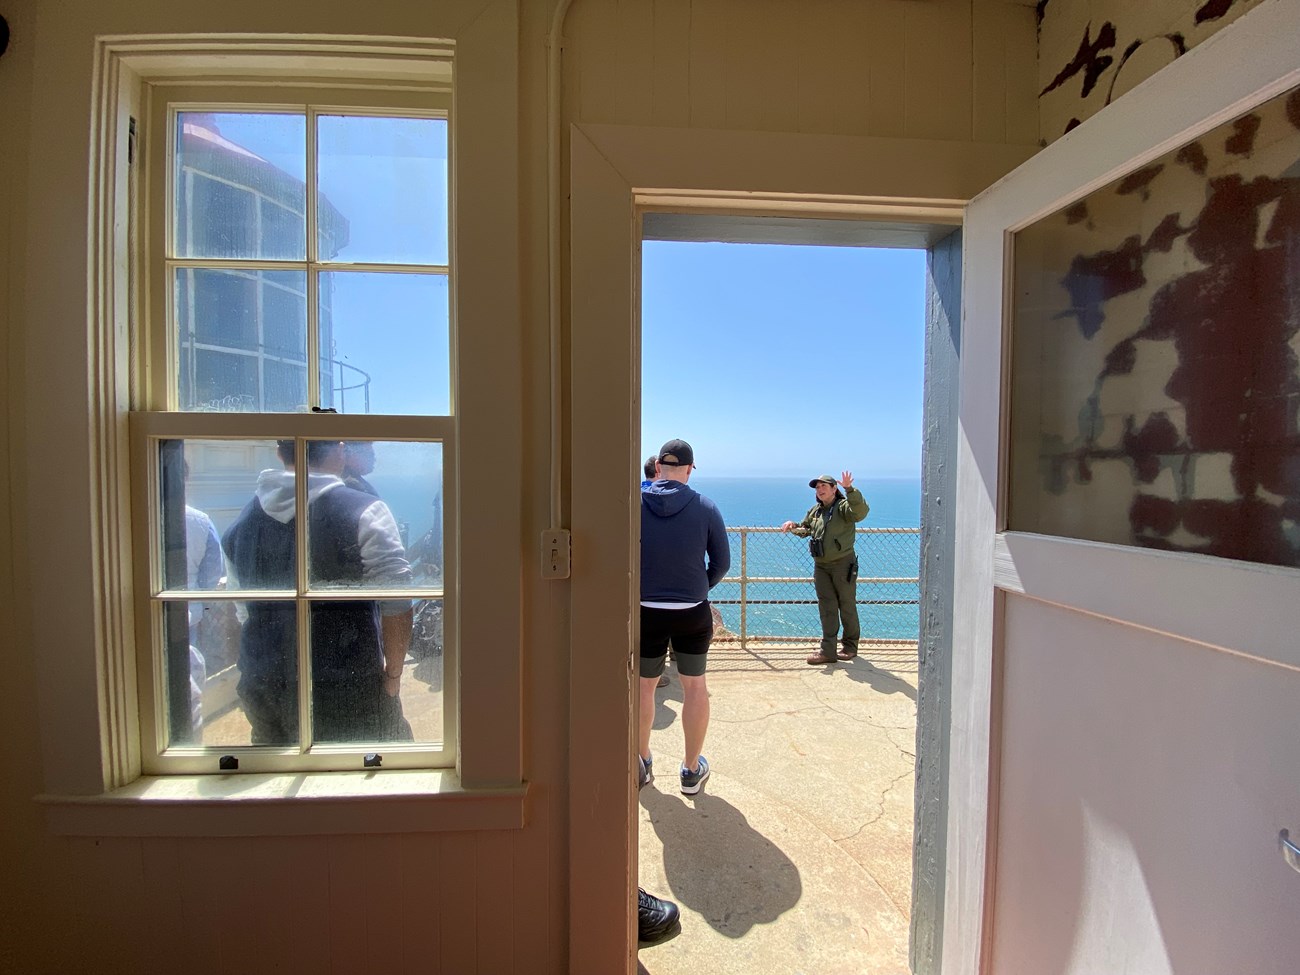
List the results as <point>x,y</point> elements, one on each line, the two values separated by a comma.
<point>616,172</point>
<point>1250,61</point>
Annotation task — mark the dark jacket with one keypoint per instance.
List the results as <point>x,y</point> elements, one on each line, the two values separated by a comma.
<point>834,526</point>
<point>684,547</point>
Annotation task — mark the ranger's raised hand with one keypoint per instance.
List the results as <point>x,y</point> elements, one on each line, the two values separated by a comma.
<point>846,480</point>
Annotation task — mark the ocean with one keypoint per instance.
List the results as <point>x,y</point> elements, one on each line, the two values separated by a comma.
<point>783,605</point>
<point>887,562</point>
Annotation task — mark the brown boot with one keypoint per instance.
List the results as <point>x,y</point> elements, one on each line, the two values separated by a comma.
<point>846,654</point>
<point>816,659</point>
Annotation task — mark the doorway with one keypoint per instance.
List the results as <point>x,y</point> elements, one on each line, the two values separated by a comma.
<point>608,167</point>
<point>807,824</point>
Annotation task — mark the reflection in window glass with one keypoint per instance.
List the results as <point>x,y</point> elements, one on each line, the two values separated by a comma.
<point>242,337</point>
<point>383,190</point>
<point>386,343</point>
<point>1154,372</point>
<point>204,486</point>
<point>239,184</point>
<point>375,523</point>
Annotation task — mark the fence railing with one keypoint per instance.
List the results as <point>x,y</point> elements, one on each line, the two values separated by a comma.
<point>769,595</point>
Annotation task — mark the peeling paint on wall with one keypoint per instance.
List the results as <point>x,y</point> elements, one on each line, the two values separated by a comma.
<point>1092,51</point>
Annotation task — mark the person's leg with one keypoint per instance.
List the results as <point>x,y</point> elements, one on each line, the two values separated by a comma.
<point>828,608</point>
<point>271,707</point>
<point>695,717</point>
<point>655,633</point>
<point>646,717</point>
<point>846,589</point>
<point>691,641</point>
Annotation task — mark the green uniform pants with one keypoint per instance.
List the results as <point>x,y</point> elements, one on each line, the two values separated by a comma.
<point>837,602</point>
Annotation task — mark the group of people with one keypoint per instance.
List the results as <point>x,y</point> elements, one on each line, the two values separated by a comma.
<point>358,645</point>
<point>684,554</point>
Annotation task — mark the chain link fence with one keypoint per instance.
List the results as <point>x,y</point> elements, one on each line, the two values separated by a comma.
<point>768,597</point>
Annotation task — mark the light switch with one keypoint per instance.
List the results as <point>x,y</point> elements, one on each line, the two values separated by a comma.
<point>555,553</point>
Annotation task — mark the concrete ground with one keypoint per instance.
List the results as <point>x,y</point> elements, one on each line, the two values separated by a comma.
<point>797,855</point>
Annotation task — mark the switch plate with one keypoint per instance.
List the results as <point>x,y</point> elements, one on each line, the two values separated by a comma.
<point>555,553</point>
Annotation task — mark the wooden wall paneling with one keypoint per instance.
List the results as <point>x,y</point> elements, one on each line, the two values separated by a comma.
<point>420,875</point>
<point>937,70</point>
<point>1020,67</point>
<point>1004,74</point>
<point>633,79</point>
<point>710,27</point>
<point>760,77</point>
<point>494,883</point>
<point>102,887</point>
<point>594,55</point>
<point>287,870</point>
<point>671,63</point>
<point>175,922</point>
<point>538,865</point>
<point>824,56</point>
<point>887,58</point>
<point>225,889</point>
<point>459,944</point>
<point>360,883</point>
<point>989,82</point>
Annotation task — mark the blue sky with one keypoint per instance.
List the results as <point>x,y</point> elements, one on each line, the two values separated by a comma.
<point>784,360</point>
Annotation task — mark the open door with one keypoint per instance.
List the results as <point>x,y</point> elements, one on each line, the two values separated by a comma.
<point>1126,662</point>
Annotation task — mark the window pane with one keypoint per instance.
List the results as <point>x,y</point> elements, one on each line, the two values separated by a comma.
<point>1155,383</point>
<point>229,683</point>
<point>251,700</point>
<point>240,190</point>
<point>383,190</point>
<point>385,343</point>
<point>242,339</point>
<point>376,523</point>
<point>227,515</point>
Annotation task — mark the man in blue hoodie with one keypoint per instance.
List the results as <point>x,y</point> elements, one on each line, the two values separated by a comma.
<point>684,554</point>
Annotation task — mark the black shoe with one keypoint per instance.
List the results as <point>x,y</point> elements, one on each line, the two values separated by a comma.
<point>655,917</point>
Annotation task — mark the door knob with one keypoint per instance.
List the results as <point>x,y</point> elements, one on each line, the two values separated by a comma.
<point>1290,852</point>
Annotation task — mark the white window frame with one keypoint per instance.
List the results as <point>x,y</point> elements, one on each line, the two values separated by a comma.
<point>90,729</point>
<point>155,333</point>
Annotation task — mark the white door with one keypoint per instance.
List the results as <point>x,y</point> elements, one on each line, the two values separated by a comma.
<point>1125,744</point>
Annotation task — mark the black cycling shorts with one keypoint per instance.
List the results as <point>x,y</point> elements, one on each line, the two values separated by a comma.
<point>689,630</point>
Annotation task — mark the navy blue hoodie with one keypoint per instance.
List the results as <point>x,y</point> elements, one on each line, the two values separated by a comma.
<point>679,528</point>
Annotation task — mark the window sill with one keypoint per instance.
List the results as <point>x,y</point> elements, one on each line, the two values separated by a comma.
<point>288,805</point>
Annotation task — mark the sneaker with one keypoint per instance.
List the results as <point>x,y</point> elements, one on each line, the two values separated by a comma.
<point>691,781</point>
<point>655,917</point>
<point>647,770</point>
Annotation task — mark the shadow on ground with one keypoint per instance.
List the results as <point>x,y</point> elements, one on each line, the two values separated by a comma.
<point>865,672</point>
<point>718,865</point>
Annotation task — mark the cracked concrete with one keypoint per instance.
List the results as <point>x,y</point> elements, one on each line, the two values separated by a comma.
<point>797,855</point>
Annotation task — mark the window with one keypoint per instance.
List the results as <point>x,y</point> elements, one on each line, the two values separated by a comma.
<point>296,355</point>
<point>1154,369</point>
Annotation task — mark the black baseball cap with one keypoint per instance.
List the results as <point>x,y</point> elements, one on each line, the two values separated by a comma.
<point>677,453</point>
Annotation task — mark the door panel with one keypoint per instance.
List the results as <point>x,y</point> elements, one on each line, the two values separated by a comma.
<point>1126,663</point>
<point>1143,783</point>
